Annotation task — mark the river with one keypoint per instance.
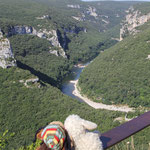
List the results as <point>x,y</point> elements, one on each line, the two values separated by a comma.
<point>68,86</point>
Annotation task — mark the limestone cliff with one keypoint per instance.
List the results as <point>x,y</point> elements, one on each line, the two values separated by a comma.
<point>43,17</point>
<point>50,35</point>
<point>6,55</point>
<point>31,83</point>
<point>53,37</point>
<point>134,18</point>
<point>58,40</point>
<point>83,16</point>
<point>20,30</point>
<point>74,6</point>
<point>92,11</point>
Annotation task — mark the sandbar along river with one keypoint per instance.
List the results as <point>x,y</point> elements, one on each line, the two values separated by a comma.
<point>68,86</point>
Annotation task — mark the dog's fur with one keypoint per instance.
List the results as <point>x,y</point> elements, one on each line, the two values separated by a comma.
<point>77,129</point>
<point>77,136</point>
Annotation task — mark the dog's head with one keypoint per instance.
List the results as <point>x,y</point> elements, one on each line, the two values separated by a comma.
<point>77,126</point>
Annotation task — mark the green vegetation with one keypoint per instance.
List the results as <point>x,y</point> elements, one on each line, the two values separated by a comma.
<point>121,73</point>
<point>4,139</point>
<point>80,46</point>
<point>24,108</point>
<point>34,55</point>
<point>142,7</point>
<point>132,142</point>
<point>88,46</point>
<point>33,146</point>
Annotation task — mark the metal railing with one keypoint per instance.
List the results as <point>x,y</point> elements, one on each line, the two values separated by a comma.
<point>125,130</point>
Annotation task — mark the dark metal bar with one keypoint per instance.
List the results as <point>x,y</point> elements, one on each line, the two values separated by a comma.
<point>125,130</point>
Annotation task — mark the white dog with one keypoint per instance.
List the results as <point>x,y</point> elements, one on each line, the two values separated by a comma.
<point>83,140</point>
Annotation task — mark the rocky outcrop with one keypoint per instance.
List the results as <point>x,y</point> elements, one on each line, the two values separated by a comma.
<point>58,40</point>
<point>55,52</point>
<point>1,34</point>
<point>74,6</point>
<point>6,55</point>
<point>148,57</point>
<point>53,37</point>
<point>30,83</point>
<point>43,17</point>
<point>134,18</point>
<point>105,21</point>
<point>92,11</point>
<point>81,17</point>
<point>20,30</point>
<point>77,18</point>
<point>50,35</point>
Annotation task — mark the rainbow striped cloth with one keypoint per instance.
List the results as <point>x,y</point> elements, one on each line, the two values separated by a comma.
<point>53,136</point>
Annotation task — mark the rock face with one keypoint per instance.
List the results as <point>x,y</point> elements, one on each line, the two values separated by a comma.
<point>134,18</point>
<point>105,21</point>
<point>74,6</point>
<point>59,41</point>
<point>30,83</point>
<point>92,11</point>
<point>43,17</point>
<point>80,17</point>
<point>54,39</point>
<point>6,55</point>
<point>55,52</point>
<point>20,30</point>
<point>51,36</point>
<point>77,18</point>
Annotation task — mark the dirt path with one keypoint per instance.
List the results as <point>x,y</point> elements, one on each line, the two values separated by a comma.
<point>95,105</point>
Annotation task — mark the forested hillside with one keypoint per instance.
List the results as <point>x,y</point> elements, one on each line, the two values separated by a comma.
<point>46,38</point>
<point>120,75</point>
<point>58,33</point>
<point>27,107</point>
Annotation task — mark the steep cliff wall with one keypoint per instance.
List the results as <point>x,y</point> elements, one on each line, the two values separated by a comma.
<point>58,40</point>
<point>134,18</point>
<point>74,6</point>
<point>6,55</point>
<point>92,11</point>
<point>51,36</point>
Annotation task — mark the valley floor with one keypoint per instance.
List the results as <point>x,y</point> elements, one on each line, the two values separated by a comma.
<point>95,105</point>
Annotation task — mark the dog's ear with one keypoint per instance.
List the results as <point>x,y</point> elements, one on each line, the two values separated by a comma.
<point>89,125</point>
<point>38,135</point>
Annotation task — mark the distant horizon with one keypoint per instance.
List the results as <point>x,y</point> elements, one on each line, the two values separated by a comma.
<point>116,0</point>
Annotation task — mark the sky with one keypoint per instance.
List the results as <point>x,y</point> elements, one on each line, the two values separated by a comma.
<point>115,0</point>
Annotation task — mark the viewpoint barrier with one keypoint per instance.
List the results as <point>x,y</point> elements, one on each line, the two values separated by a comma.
<point>125,130</point>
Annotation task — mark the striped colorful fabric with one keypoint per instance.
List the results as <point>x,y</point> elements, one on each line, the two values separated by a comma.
<point>53,136</point>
